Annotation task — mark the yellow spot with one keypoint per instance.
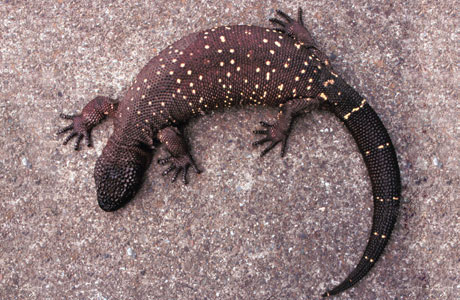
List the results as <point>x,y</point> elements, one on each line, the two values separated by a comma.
<point>328,82</point>
<point>277,44</point>
<point>143,96</point>
<point>383,236</point>
<point>256,86</point>
<point>206,46</point>
<point>310,80</point>
<point>303,71</point>
<point>174,60</point>
<point>171,72</point>
<point>229,74</point>
<point>182,65</point>
<point>395,198</point>
<point>371,260</point>
<point>297,45</point>
<point>190,103</point>
<point>201,99</point>
<point>308,87</point>
<point>232,50</point>
<point>272,52</point>
<point>355,110</point>
<point>267,62</point>
<point>232,61</point>
<point>222,39</point>
<point>138,112</point>
<point>193,92</point>
<point>200,77</point>
<point>158,72</point>
<point>280,87</point>
<point>178,80</point>
<point>145,80</point>
<point>138,88</point>
<point>178,91</point>
<point>368,152</point>
<point>257,70</point>
<point>322,95</point>
<point>146,120</point>
<point>222,64</point>
<point>297,78</point>
<point>163,66</point>
<point>268,76</point>
<point>162,104</point>
<point>376,233</point>
<point>189,72</point>
<point>219,51</point>
<point>238,69</point>
<point>265,40</point>
<point>191,84</point>
<point>150,102</point>
<point>294,91</point>
<point>305,63</point>
<point>286,65</point>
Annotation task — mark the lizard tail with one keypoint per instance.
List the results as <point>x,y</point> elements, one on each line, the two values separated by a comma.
<point>380,158</point>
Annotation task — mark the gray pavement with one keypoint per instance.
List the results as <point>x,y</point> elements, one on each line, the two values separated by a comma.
<point>246,228</point>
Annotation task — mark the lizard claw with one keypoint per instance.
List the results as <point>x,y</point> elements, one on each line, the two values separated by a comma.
<point>292,28</point>
<point>274,135</point>
<point>78,129</point>
<point>179,164</point>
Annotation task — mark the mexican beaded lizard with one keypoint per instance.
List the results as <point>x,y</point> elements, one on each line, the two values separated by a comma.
<point>236,66</point>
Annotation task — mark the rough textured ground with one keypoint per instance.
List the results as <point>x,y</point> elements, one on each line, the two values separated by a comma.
<point>247,228</point>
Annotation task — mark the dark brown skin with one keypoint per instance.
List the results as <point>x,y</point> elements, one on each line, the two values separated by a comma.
<point>236,66</point>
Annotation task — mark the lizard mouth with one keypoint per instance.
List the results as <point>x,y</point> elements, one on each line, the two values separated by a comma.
<point>118,175</point>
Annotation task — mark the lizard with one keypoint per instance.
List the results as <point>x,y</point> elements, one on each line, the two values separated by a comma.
<point>232,66</point>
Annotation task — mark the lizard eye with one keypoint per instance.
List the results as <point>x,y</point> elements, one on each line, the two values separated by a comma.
<point>118,175</point>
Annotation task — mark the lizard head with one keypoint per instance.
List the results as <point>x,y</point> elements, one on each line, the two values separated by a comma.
<point>118,174</point>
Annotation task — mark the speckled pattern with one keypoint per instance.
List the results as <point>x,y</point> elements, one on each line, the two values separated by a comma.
<point>243,228</point>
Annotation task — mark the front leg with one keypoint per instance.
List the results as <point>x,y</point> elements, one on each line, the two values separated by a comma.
<point>92,114</point>
<point>279,132</point>
<point>179,157</point>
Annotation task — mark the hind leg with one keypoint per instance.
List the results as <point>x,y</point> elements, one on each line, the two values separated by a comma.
<point>279,131</point>
<point>298,31</point>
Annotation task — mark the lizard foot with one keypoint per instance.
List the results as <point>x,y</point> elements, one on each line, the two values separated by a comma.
<point>179,164</point>
<point>275,134</point>
<point>179,156</point>
<point>78,129</point>
<point>294,29</point>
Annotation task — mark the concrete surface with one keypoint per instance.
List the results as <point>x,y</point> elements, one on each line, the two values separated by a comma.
<point>247,228</point>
